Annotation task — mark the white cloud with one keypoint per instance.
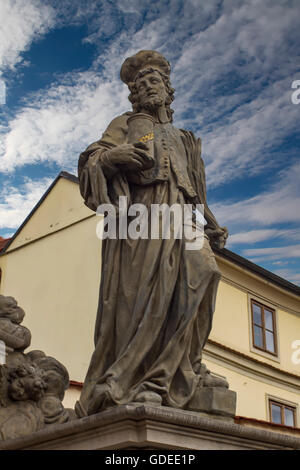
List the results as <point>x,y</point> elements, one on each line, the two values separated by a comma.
<point>62,122</point>
<point>2,92</point>
<point>252,236</point>
<point>255,236</point>
<point>206,44</point>
<point>239,71</point>
<point>273,253</point>
<point>22,21</point>
<point>288,274</point>
<point>17,203</point>
<point>241,145</point>
<point>280,204</point>
<point>256,220</point>
<point>279,263</point>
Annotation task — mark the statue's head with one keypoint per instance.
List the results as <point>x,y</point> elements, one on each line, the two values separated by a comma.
<point>9,309</point>
<point>147,75</point>
<point>26,382</point>
<point>55,374</point>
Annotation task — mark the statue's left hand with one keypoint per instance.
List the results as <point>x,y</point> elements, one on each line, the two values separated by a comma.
<point>217,236</point>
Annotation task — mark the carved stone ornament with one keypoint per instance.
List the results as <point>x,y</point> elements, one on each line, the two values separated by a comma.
<point>32,385</point>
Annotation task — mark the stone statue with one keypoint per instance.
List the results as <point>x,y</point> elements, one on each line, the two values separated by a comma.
<point>156,298</point>
<point>32,385</point>
<point>15,336</point>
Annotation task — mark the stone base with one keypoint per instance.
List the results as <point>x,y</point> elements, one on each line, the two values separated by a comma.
<point>136,427</point>
<point>214,400</point>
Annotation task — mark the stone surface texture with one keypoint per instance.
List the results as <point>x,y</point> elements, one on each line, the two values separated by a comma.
<point>157,298</point>
<point>136,426</point>
<point>32,385</point>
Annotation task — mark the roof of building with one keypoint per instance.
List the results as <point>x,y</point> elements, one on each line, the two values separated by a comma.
<point>224,252</point>
<point>3,242</point>
<point>256,269</point>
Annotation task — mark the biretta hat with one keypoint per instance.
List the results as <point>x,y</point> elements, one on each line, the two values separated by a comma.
<point>143,59</point>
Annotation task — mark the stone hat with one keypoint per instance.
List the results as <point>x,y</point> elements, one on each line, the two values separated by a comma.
<point>143,59</point>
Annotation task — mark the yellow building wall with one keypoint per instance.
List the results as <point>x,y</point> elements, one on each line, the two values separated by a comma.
<point>56,281</point>
<point>289,331</point>
<point>253,393</point>
<point>62,207</point>
<point>71,397</point>
<point>231,324</point>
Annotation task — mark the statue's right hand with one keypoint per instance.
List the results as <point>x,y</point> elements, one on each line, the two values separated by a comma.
<point>131,156</point>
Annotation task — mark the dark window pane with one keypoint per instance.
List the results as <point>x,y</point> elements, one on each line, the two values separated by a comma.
<point>276,414</point>
<point>270,346</point>
<point>257,314</point>
<point>258,337</point>
<point>288,417</point>
<point>269,320</point>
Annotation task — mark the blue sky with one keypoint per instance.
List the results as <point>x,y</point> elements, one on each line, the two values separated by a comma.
<point>233,65</point>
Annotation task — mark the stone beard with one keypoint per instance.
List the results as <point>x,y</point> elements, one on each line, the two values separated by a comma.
<point>153,104</point>
<point>156,299</point>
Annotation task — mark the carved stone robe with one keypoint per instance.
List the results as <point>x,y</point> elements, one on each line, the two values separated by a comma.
<point>156,298</point>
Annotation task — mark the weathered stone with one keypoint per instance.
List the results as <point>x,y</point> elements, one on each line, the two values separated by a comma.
<point>214,400</point>
<point>148,427</point>
<point>157,297</point>
<point>32,385</point>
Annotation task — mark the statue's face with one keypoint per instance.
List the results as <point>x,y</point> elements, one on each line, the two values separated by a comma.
<point>30,387</point>
<point>151,90</point>
<point>55,383</point>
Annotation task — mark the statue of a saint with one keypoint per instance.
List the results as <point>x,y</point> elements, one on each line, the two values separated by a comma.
<point>156,298</point>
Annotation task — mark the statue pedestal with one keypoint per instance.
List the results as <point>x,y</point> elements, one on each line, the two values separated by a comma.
<point>135,427</point>
<point>215,401</point>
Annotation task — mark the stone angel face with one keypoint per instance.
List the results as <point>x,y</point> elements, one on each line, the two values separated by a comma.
<point>26,382</point>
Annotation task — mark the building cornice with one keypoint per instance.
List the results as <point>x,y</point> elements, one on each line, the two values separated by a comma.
<point>251,367</point>
<point>269,299</point>
<point>258,272</point>
<point>148,427</point>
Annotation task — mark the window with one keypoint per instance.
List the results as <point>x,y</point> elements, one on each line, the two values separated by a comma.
<point>282,414</point>
<point>263,327</point>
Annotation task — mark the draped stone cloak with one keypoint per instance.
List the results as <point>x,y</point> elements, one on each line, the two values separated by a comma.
<point>156,298</point>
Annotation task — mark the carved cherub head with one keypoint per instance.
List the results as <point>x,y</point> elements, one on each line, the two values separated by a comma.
<point>55,374</point>
<point>9,309</point>
<point>26,382</point>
